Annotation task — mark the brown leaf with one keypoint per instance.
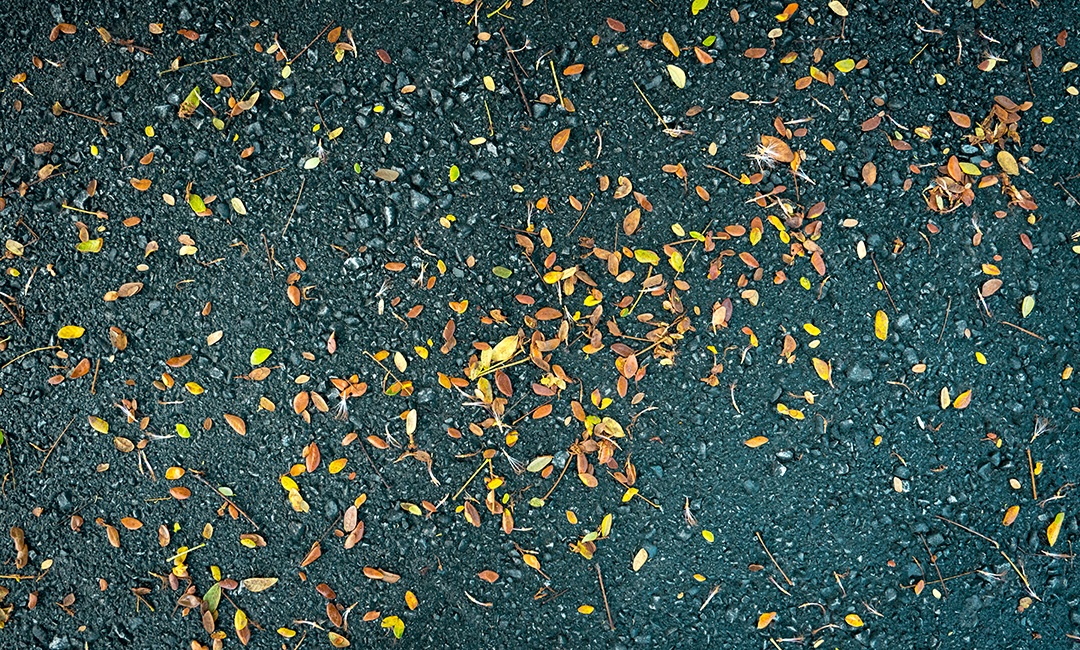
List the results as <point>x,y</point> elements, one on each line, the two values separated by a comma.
<point>559,140</point>
<point>871,124</point>
<point>755,53</point>
<point>869,173</point>
<point>616,25</point>
<point>990,287</point>
<point>471,515</point>
<point>222,80</point>
<point>960,120</point>
<point>632,221</point>
<point>488,576</point>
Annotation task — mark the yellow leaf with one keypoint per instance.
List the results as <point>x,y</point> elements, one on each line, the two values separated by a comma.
<point>337,465</point>
<point>1007,163</point>
<point>881,325</point>
<point>764,620</point>
<point>194,388</point>
<point>505,349</point>
<point>709,537</point>
<point>288,483</point>
<point>411,600</point>
<point>605,525</point>
<point>853,620</point>
<point>823,369</point>
<point>640,558</point>
<point>586,609</point>
<point>970,169</point>
<point>845,65</point>
<point>337,640</point>
<point>240,620</point>
<point>99,425</point>
<point>70,332</point>
<point>255,585</point>
<point>1054,528</point>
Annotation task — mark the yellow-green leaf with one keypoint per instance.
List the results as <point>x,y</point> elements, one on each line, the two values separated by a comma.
<point>698,6</point>
<point>182,430</point>
<point>196,203</point>
<point>455,173</point>
<point>258,355</point>
<point>70,332</point>
<point>99,425</point>
<point>881,325</point>
<point>845,65</point>
<point>678,76</point>
<point>970,169</point>
<point>1027,306</point>
<point>708,535</point>
<point>646,256</point>
<point>1054,529</point>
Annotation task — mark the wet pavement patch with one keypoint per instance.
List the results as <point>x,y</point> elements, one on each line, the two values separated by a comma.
<point>541,325</point>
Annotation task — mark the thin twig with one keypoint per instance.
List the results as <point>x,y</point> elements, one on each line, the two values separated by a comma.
<point>513,59</point>
<point>884,284</point>
<point>55,442</point>
<point>642,93</point>
<point>973,532</point>
<point>227,499</point>
<point>578,222</point>
<point>1028,332</point>
<point>377,472</point>
<point>603,592</point>
<point>267,175</point>
<point>310,44</point>
<point>293,211</point>
<point>187,65</point>
<point>775,564</point>
<point>1031,471</point>
<point>27,353</point>
<point>933,561</point>
<point>945,322</point>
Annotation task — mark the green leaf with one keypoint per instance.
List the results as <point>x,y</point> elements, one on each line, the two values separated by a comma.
<point>356,167</point>
<point>1,437</point>
<point>698,6</point>
<point>213,597</point>
<point>182,430</point>
<point>709,40</point>
<point>455,173</point>
<point>502,272</point>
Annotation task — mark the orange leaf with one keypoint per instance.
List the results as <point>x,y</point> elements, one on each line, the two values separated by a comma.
<point>869,173</point>
<point>559,140</point>
<point>141,184</point>
<point>756,442</point>
<point>488,576</point>
<point>237,423</point>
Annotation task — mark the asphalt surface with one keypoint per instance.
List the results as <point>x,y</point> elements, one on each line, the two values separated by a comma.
<point>751,429</point>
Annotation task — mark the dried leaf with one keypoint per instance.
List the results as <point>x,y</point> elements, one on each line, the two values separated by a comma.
<point>1054,529</point>
<point>640,558</point>
<point>881,325</point>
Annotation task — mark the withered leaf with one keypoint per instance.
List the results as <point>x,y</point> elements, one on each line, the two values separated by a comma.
<point>558,141</point>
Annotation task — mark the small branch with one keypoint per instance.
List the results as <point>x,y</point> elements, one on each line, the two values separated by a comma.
<point>973,532</point>
<point>1031,471</point>
<point>1028,332</point>
<point>933,561</point>
<point>27,353</point>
